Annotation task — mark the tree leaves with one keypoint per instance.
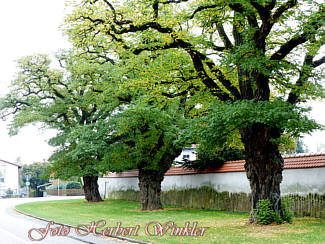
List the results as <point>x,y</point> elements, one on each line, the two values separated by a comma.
<point>225,120</point>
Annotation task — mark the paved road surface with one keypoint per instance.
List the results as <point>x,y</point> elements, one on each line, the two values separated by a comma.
<point>14,227</point>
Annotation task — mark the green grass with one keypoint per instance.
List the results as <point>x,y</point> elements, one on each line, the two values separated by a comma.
<point>224,227</point>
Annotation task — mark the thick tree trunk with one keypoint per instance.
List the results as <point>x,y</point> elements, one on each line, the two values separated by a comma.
<point>91,189</point>
<point>150,188</point>
<point>264,166</point>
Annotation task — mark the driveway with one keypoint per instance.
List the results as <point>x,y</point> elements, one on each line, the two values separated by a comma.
<point>14,227</point>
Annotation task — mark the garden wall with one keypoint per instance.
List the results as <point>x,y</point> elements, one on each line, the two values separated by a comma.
<point>65,192</point>
<point>312,205</point>
<point>227,188</point>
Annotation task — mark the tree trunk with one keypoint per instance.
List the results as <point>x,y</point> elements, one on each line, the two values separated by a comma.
<point>264,166</point>
<point>91,189</point>
<point>150,188</point>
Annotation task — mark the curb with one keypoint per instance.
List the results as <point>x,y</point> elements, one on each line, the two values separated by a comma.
<point>71,226</point>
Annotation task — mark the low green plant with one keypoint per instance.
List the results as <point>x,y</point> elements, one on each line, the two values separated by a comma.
<point>277,218</point>
<point>55,187</point>
<point>73,185</point>
<point>264,212</point>
<point>286,213</point>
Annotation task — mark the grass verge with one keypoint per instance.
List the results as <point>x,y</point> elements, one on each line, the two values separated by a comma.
<point>223,227</point>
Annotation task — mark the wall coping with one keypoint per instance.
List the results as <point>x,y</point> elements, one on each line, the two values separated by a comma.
<point>299,161</point>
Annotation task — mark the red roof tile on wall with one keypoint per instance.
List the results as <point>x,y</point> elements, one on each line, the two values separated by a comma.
<point>290,162</point>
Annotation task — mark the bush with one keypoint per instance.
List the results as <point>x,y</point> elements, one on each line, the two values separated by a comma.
<point>265,214</point>
<point>55,187</point>
<point>32,193</point>
<point>73,185</point>
<point>207,159</point>
<point>286,213</point>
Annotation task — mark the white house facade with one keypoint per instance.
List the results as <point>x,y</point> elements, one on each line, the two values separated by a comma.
<point>188,153</point>
<point>9,178</point>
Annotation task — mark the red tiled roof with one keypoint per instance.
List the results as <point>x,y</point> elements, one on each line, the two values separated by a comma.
<point>304,161</point>
<point>15,164</point>
<point>290,162</point>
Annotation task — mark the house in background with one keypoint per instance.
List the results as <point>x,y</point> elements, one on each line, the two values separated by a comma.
<point>9,178</point>
<point>188,153</point>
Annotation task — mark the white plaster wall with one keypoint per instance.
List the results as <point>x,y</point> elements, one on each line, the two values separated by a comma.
<point>117,184</point>
<point>295,181</point>
<point>12,177</point>
<point>303,181</point>
<point>231,182</point>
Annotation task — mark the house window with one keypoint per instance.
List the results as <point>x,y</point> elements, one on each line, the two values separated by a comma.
<point>2,180</point>
<point>186,156</point>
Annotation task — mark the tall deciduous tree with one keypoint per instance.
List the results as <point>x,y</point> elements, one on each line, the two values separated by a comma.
<point>255,60</point>
<point>61,100</point>
<point>139,137</point>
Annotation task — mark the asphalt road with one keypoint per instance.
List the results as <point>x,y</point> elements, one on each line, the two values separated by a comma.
<point>14,227</point>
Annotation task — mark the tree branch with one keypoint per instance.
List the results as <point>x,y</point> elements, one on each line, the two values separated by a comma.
<point>182,93</point>
<point>220,76</point>
<point>201,8</point>
<point>155,6</point>
<point>122,22</point>
<point>138,50</point>
<point>308,32</point>
<point>263,12</point>
<point>174,1</point>
<point>318,62</point>
<point>304,74</point>
<point>284,7</point>
<point>224,37</point>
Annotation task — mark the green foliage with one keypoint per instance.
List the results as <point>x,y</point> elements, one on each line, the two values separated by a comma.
<point>73,185</point>
<point>9,191</point>
<point>214,159</point>
<point>65,100</point>
<point>37,174</point>
<point>223,122</point>
<point>59,186</point>
<point>143,136</point>
<point>181,51</point>
<point>233,65</point>
<point>287,215</point>
<point>277,218</point>
<point>265,214</point>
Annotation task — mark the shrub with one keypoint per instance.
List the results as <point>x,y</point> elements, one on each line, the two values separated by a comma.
<point>264,212</point>
<point>73,185</point>
<point>286,213</point>
<point>55,187</point>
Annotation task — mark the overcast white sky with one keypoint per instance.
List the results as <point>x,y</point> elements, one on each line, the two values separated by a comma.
<point>29,27</point>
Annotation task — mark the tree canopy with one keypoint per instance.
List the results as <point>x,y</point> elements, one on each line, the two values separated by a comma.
<point>78,94</point>
<point>138,69</point>
<point>36,172</point>
<point>247,64</point>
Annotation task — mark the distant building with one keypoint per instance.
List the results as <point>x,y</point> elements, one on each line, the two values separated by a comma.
<point>9,178</point>
<point>187,154</point>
